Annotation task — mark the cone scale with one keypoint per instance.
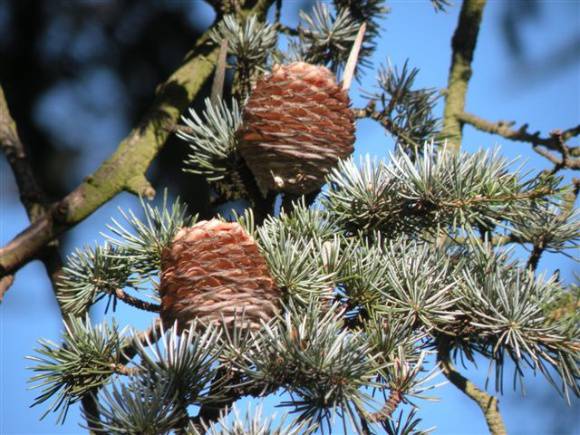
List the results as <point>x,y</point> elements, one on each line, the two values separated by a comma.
<point>296,125</point>
<point>214,272</point>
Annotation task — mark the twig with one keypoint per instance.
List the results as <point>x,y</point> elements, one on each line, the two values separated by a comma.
<point>481,199</point>
<point>278,13</point>
<point>383,119</point>
<point>287,30</point>
<point>149,336</point>
<point>136,302</point>
<point>122,369</point>
<point>463,45</point>
<point>505,130</point>
<point>555,142</point>
<point>31,195</point>
<point>537,252</point>
<point>394,400</point>
<point>5,283</point>
<point>488,404</point>
<point>212,411</point>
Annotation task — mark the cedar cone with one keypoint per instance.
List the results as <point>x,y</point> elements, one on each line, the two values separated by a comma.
<point>214,270</point>
<point>296,125</point>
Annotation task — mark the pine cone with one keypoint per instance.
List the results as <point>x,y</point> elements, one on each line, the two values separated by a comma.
<point>296,125</point>
<point>214,270</point>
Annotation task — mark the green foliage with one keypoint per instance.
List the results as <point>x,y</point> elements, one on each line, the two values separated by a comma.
<point>405,424</point>
<point>418,284</point>
<point>440,5</point>
<point>321,364</point>
<point>173,371</point>
<point>185,362</point>
<point>369,12</point>
<point>250,42</point>
<point>252,423</point>
<point>296,265</point>
<point>409,110</point>
<point>211,139</point>
<point>438,189</point>
<point>506,313</point>
<point>143,241</point>
<point>555,229</point>
<point>80,365</point>
<point>138,408</point>
<point>89,275</point>
<point>325,38</point>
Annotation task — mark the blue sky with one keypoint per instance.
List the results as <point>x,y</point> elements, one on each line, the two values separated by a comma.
<point>500,89</point>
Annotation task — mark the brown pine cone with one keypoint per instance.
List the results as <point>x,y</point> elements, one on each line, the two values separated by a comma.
<point>296,125</point>
<point>213,271</point>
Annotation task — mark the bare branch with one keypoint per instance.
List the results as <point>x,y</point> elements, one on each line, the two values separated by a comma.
<point>217,88</point>
<point>31,194</point>
<point>463,45</point>
<point>5,283</point>
<point>505,130</point>
<point>556,141</point>
<point>125,169</point>
<point>488,404</point>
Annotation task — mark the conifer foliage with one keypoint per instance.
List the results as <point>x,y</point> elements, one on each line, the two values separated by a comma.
<point>355,305</point>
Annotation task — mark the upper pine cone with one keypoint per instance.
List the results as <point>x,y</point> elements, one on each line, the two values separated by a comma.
<point>296,125</point>
<point>213,271</point>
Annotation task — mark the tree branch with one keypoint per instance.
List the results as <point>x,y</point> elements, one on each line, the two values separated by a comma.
<point>488,404</point>
<point>383,119</point>
<point>394,400</point>
<point>122,369</point>
<point>555,142</point>
<point>503,128</point>
<point>125,169</point>
<point>463,46</point>
<point>91,413</point>
<point>5,283</point>
<point>136,302</point>
<point>31,194</point>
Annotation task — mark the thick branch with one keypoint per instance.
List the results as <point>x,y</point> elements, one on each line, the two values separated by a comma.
<point>31,194</point>
<point>488,404</point>
<point>125,169</point>
<point>463,46</point>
